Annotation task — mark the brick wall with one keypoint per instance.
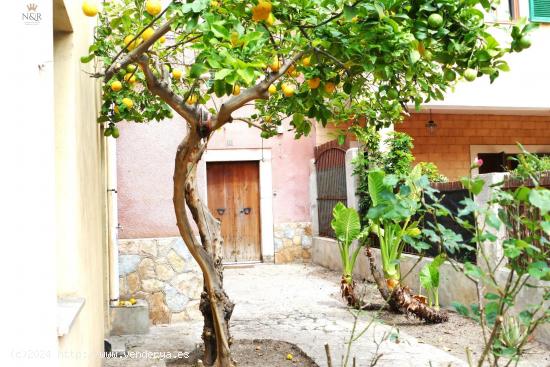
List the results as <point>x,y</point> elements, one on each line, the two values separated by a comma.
<point>449,147</point>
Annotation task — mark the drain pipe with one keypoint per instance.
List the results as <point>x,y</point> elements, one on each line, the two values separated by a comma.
<point>114,291</point>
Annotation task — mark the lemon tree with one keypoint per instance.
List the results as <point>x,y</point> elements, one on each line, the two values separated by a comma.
<point>298,60</point>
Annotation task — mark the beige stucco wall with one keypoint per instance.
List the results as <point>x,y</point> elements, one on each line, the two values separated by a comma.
<point>81,234</point>
<point>53,190</point>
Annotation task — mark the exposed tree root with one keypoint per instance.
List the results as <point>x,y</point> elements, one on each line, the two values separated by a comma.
<point>400,299</point>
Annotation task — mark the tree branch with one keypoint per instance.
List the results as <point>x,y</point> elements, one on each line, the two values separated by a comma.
<point>162,90</point>
<point>135,54</point>
<point>259,91</point>
<point>335,16</point>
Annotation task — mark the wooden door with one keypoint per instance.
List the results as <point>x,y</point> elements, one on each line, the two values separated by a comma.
<point>234,199</point>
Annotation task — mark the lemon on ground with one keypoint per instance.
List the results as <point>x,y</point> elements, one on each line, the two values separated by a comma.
<point>261,11</point>
<point>147,33</point>
<point>272,89</point>
<point>236,90</point>
<point>288,89</point>
<point>314,83</point>
<point>89,8</point>
<point>289,356</point>
<point>162,39</point>
<point>192,99</point>
<point>275,65</point>
<point>330,87</point>
<point>133,301</point>
<point>116,86</point>
<point>177,73</point>
<point>127,102</point>
<point>153,7</point>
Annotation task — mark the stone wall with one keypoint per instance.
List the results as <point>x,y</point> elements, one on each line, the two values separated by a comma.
<point>162,272</point>
<point>292,242</point>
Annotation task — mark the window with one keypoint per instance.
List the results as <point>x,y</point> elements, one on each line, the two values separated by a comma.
<point>539,10</point>
<point>505,11</point>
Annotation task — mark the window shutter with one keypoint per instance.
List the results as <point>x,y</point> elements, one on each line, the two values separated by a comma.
<point>539,10</point>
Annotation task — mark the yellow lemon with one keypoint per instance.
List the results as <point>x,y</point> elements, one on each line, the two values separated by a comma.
<point>177,73</point>
<point>192,99</point>
<point>272,89</point>
<point>261,11</point>
<point>133,301</point>
<point>127,102</point>
<point>236,90</point>
<point>291,69</point>
<point>330,87</point>
<point>162,39</point>
<point>131,44</point>
<point>288,90</point>
<point>130,78</point>
<point>147,33</point>
<point>89,8</point>
<point>275,65</point>
<point>314,83</point>
<point>116,109</point>
<point>289,356</point>
<point>116,86</point>
<point>214,4</point>
<point>153,7</point>
<point>267,119</point>
<point>306,61</point>
<point>270,19</point>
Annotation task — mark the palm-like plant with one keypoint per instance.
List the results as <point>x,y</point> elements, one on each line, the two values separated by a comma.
<point>347,227</point>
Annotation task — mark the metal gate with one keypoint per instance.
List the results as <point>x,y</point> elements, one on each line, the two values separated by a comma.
<point>330,166</point>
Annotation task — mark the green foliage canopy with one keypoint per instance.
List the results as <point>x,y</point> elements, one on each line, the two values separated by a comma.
<point>380,55</point>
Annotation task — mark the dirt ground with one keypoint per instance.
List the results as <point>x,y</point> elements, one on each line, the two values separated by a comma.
<point>258,352</point>
<point>453,336</point>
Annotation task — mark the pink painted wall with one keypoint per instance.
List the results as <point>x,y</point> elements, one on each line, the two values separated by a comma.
<point>145,154</point>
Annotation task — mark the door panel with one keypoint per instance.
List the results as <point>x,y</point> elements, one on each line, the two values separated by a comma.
<point>233,198</point>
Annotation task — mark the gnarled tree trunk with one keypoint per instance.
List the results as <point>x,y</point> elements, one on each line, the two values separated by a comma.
<point>400,299</point>
<point>215,304</point>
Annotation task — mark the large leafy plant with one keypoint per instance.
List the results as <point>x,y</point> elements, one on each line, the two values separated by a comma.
<point>395,200</point>
<point>505,266</point>
<point>347,227</point>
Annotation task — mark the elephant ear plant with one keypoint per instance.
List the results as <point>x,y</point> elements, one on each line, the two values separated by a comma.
<point>429,279</point>
<point>395,201</point>
<point>347,228</point>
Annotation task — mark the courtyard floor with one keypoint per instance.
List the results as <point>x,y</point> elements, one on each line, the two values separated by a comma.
<point>300,304</point>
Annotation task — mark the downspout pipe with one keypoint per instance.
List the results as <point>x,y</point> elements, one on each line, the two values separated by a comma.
<point>114,290</point>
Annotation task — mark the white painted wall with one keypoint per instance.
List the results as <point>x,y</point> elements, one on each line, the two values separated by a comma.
<point>525,87</point>
<point>27,189</point>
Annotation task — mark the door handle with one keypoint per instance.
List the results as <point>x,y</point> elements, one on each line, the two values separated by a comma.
<point>246,211</point>
<point>220,211</point>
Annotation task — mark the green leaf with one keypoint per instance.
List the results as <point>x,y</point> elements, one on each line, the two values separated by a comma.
<point>222,74</point>
<point>414,56</point>
<point>87,59</point>
<point>539,270</point>
<point>541,199</point>
<point>376,186</point>
<point>197,70</point>
<point>460,308</point>
<point>473,271</point>
<point>350,12</point>
<point>345,223</point>
<point>220,31</point>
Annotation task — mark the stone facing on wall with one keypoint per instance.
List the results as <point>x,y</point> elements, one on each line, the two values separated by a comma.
<point>292,242</point>
<point>162,272</point>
